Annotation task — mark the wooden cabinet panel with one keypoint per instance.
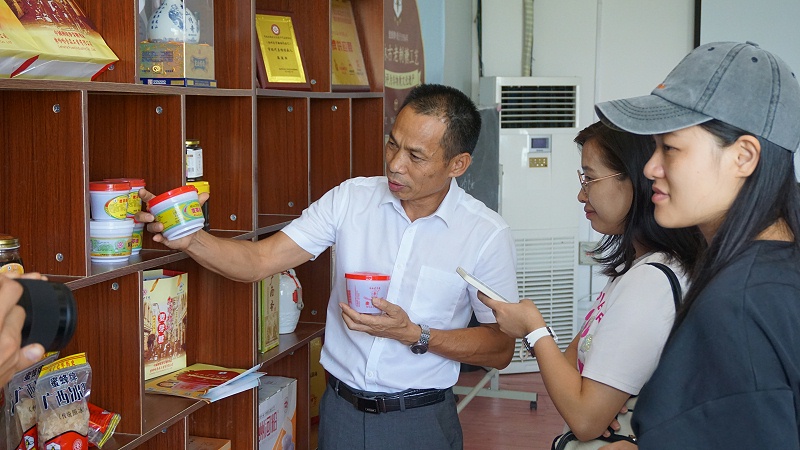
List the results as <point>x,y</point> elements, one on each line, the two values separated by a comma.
<point>330,144</point>
<point>224,126</point>
<point>282,148</point>
<point>368,137</point>
<point>116,22</point>
<point>42,182</point>
<point>175,436</point>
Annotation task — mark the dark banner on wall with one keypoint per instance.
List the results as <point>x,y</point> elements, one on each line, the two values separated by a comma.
<point>403,58</point>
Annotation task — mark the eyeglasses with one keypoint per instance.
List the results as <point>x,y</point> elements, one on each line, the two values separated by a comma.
<point>585,184</point>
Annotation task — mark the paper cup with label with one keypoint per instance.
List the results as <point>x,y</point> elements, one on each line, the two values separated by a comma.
<point>362,287</point>
<point>179,210</point>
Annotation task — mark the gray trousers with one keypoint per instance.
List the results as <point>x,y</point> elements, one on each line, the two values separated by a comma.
<point>343,427</point>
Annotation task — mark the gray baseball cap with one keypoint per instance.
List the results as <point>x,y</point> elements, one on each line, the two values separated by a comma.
<point>739,84</point>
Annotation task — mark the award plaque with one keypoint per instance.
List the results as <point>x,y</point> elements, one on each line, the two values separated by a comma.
<point>283,66</point>
<point>348,71</point>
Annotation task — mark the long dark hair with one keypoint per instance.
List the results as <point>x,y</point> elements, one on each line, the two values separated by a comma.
<point>770,193</point>
<point>628,153</point>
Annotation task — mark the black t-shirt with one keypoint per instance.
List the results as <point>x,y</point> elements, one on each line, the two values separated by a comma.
<point>730,376</point>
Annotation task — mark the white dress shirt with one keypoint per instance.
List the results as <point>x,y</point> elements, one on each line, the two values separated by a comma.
<point>372,233</point>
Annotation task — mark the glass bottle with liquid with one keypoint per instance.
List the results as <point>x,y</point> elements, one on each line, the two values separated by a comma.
<point>10,260</point>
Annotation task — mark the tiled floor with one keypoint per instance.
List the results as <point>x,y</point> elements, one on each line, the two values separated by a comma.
<point>503,424</point>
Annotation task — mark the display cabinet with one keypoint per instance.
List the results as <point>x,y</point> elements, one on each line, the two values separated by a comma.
<point>267,155</point>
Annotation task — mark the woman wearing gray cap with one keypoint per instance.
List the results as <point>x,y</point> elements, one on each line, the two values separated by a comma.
<point>727,124</point>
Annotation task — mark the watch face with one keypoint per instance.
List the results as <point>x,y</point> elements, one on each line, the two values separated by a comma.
<point>419,348</point>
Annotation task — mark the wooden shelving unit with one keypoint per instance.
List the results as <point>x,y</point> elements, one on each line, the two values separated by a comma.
<point>268,154</point>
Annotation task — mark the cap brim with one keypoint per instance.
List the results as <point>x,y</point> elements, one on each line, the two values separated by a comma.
<point>649,114</point>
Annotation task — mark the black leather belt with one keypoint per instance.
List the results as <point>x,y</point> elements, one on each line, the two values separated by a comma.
<point>382,403</point>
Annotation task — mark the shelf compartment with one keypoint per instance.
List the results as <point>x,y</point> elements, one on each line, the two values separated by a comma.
<point>282,176</point>
<point>227,157</point>
<point>109,331</point>
<point>41,167</point>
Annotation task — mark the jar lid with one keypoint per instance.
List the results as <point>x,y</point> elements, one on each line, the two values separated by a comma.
<point>134,182</point>
<point>192,142</point>
<point>368,276</point>
<point>201,186</point>
<point>109,225</point>
<point>98,186</point>
<point>169,194</point>
<point>8,242</point>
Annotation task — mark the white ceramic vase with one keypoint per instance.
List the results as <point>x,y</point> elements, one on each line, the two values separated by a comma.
<point>173,22</point>
<point>291,302</point>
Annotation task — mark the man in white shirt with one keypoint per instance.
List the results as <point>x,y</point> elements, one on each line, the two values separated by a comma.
<point>390,375</point>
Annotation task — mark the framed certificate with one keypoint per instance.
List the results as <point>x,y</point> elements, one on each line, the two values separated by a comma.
<point>348,71</point>
<point>280,62</point>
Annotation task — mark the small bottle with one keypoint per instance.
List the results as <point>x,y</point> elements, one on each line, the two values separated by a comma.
<point>194,160</point>
<point>10,261</point>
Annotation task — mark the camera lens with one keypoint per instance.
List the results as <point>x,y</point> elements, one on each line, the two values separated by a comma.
<point>50,313</point>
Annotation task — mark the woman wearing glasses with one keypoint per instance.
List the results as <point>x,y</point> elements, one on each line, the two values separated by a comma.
<point>621,339</point>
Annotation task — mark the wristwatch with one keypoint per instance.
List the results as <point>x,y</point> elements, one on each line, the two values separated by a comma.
<point>421,346</point>
<point>530,340</point>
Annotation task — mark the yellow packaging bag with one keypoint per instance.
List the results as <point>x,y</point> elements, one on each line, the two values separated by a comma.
<point>17,48</point>
<point>70,48</point>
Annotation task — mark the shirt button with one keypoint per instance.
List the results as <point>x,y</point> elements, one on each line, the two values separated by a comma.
<point>371,374</point>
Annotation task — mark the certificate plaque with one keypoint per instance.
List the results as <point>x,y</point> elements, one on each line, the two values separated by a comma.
<point>348,71</point>
<point>280,51</point>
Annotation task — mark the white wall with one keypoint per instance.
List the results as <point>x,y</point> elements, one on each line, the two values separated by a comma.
<point>447,27</point>
<point>618,48</point>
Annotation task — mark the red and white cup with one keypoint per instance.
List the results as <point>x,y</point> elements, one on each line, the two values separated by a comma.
<point>362,287</point>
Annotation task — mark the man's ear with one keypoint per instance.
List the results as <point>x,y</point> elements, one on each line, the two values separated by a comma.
<point>459,164</point>
<point>747,153</point>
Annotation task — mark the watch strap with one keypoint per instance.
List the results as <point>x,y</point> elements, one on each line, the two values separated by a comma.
<point>421,346</point>
<point>530,339</point>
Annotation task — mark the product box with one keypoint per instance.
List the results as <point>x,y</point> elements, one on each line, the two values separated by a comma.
<point>187,64</point>
<point>269,300</point>
<point>164,295</point>
<point>316,378</point>
<point>68,44</point>
<point>277,413</point>
<point>178,45</point>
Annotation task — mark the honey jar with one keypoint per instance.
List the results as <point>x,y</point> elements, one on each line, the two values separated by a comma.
<point>10,261</point>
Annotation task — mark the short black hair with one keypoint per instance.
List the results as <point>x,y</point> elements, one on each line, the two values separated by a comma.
<point>463,124</point>
<point>627,153</point>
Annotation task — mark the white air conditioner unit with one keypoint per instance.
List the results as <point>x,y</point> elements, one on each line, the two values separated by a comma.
<point>538,190</point>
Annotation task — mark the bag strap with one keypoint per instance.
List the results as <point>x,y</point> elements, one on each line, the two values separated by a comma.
<point>677,293</point>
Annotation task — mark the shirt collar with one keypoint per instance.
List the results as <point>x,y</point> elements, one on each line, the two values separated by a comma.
<point>446,209</point>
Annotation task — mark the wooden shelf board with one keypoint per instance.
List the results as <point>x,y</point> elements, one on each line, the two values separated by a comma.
<point>303,334</point>
<point>309,94</point>
<point>121,88</point>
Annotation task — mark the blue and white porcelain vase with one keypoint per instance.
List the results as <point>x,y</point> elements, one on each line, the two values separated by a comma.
<point>173,22</point>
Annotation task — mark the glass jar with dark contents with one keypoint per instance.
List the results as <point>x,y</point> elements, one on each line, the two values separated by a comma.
<point>10,261</point>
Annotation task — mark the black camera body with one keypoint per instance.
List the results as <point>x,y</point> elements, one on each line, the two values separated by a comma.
<point>50,313</point>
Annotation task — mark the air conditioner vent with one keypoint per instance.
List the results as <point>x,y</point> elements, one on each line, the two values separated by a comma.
<point>546,275</point>
<point>535,106</point>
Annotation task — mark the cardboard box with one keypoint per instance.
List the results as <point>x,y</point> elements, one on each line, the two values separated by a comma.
<point>277,413</point>
<point>268,313</point>
<point>204,443</point>
<point>164,293</point>
<point>176,60</point>
<point>316,379</point>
